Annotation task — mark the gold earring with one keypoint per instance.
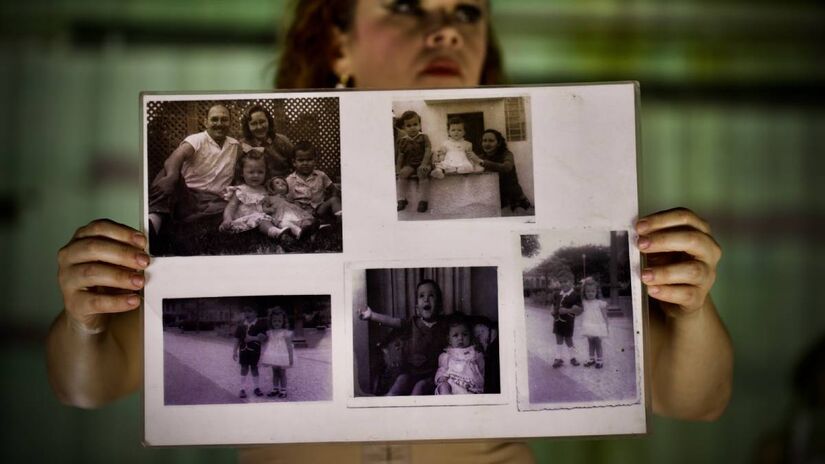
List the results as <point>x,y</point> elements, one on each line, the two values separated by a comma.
<point>344,81</point>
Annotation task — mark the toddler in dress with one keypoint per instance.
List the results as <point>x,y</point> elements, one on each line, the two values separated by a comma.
<point>461,365</point>
<point>245,208</point>
<point>455,155</point>
<point>277,352</point>
<point>593,321</point>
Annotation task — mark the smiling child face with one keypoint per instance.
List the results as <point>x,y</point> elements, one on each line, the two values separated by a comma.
<point>254,172</point>
<point>304,162</point>
<point>590,292</point>
<point>426,301</point>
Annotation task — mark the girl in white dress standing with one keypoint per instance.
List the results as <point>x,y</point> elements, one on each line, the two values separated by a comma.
<point>593,321</point>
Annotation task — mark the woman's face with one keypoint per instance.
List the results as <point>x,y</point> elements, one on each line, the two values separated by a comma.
<point>489,143</point>
<point>258,125</point>
<point>415,43</point>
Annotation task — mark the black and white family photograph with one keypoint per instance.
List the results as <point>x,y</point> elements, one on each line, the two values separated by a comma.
<point>251,349</point>
<point>578,313</point>
<point>239,177</point>
<point>470,158</point>
<point>426,331</point>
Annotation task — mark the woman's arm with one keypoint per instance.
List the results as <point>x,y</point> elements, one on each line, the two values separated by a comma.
<point>506,165</point>
<point>691,355</point>
<point>93,351</point>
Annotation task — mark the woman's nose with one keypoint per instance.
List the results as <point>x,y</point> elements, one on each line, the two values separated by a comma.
<point>446,36</point>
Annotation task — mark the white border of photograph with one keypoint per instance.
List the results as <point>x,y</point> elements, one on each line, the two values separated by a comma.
<point>574,237</point>
<point>506,372</point>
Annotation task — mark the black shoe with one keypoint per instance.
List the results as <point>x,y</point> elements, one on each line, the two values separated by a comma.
<point>273,393</point>
<point>557,363</point>
<point>599,365</point>
<point>243,394</point>
<point>589,363</point>
<point>422,206</point>
<point>402,205</point>
<point>258,392</point>
<point>573,362</point>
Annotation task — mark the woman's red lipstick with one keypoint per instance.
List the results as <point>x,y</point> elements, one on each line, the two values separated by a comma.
<point>442,67</point>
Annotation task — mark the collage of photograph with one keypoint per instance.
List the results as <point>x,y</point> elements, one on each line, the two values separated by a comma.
<point>240,179</point>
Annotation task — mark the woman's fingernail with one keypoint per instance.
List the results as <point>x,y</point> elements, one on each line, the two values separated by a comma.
<point>647,275</point>
<point>143,259</point>
<point>644,243</point>
<point>133,300</point>
<point>642,226</point>
<point>139,240</point>
<point>652,290</point>
<point>137,280</point>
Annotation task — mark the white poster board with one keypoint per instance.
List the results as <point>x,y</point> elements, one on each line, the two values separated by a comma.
<point>494,241</point>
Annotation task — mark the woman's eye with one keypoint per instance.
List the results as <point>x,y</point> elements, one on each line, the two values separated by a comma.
<point>405,7</point>
<point>467,14</point>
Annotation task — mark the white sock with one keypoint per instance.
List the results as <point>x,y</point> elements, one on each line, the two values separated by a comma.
<point>572,352</point>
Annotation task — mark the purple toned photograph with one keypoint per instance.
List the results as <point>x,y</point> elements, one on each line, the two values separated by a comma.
<point>579,318</point>
<point>427,331</point>
<point>251,349</point>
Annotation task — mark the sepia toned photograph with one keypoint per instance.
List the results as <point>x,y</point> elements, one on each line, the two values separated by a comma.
<point>241,177</point>
<point>458,159</point>
<point>426,332</point>
<point>252,349</point>
<point>578,312</point>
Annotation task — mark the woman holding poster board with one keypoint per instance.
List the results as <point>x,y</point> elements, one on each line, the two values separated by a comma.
<point>93,347</point>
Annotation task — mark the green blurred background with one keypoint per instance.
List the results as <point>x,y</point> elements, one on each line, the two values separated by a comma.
<point>733,126</point>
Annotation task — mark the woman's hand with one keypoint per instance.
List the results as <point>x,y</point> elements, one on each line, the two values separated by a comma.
<point>681,259</point>
<point>691,353</point>
<point>100,272</point>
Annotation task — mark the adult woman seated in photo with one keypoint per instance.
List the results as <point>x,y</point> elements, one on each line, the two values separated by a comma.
<point>259,133</point>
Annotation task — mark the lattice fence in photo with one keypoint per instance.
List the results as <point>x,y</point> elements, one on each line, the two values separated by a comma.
<point>314,119</point>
